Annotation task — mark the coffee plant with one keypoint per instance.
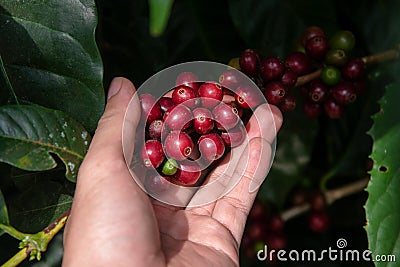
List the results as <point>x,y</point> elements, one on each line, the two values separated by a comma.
<point>331,67</point>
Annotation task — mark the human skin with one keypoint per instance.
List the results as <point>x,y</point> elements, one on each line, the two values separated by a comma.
<point>113,222</point>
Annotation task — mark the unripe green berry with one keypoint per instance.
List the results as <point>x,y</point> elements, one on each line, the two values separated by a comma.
<point>344,40</point>
<point>330,75</point>
<point>170,167</point>
<point>336,57</point>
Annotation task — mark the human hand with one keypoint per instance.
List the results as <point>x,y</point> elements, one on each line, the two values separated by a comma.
<point>114,223</point>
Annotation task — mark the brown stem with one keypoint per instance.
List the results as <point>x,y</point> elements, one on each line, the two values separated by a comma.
<point>368,60</point>
<point>330,196</point>
<point>302,80</point>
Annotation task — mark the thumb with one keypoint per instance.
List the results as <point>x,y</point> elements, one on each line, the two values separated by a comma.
<point>107,140</point>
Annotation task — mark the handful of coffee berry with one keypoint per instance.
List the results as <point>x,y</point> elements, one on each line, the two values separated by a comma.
<point>192,127</point>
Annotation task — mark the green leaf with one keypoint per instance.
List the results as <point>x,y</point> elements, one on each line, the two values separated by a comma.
<point>160,11</point>
<point>51,58</point>
<point>3,212</point>
<point>383,204</point>
<point>29,134</point>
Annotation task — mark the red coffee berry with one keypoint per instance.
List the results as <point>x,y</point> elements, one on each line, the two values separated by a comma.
<point>188,172</point>
<point>274,223</point>
<point>288,103</point>
<point>272,68</point>
<point>178,145</point>
<point>317,91</point>
<point>317,201</point>
<point>258,211</point>
<point>225,116</point>
<point>274,92</point>
<point>309,33</point>
<point>211,146</point>
<point>210,94</point>
<point>202,120</point>
<point>155,129</point>
<point>343,93</point>
<point>189,79</point>
<point>184,94</point>
<point>248,96</point>
<point>333,110</point>
<point>353,70</point>
<point>165,103</point>
<point>150,108</point>
<point>318,221</point>
<point>256,230</point>
<point>235,136</point>
<point>178,118</point>
<point>152,154</point>
<point>249,62</point>
<point>299,62</point>
<point>289,78</point>
<point>230,79</point>
<point>317,47</point>
<point>312,109</point>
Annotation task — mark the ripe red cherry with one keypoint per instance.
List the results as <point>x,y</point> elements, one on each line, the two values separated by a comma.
<point>184,94</point>
<point>235,136</point>
<point>202,120</point>
<point>155,129</point>
<point>309,33</point>
<point>274,92</point>
<point>299,62</point>
<point>318,221</point>
<point>225,116</point>
<point>188,172</point>
<point>210,94</point>
<point>312,109</point>
<point>165,103</point>
<point>178,145</point>
<point>211,146</point>
<point>179,118</point>
<point>344,93</point>
<point>152,154</point>
<point>230,79</point>
<point>353,70</point>
<point>318,201</point>
<point>189,79</point>
<point>248,96</point>
<point>318,91</point>
<point>317,47</point>
<point>275,223</point>
<point>289,78</point>
<point>258,211</point>
<point>272,68</point>
<point>249,62</point>
<point>333,110</point>
<point>288,103</point>
<point>150,108</point>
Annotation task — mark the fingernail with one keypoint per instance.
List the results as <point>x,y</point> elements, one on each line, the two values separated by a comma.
<point>114,88</point>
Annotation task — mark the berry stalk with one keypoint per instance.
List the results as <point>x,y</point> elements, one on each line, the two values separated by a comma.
<point>330,196</point>
<point>379,57</point>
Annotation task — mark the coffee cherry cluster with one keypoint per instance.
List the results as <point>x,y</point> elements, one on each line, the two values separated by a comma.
<point>318,218</point>
<point>192,127</point>
<point>264,227</point>
<point>340,78</point>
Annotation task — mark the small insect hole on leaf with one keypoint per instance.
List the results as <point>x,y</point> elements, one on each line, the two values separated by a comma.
<point>383,169</point>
